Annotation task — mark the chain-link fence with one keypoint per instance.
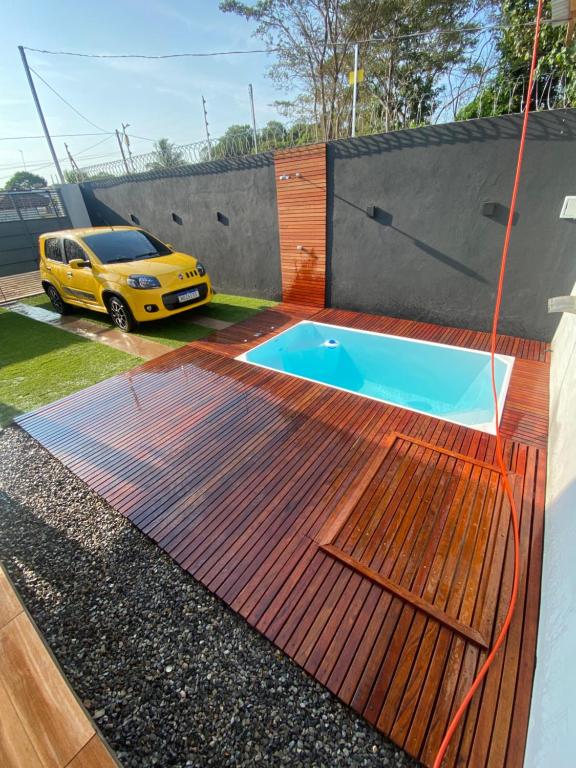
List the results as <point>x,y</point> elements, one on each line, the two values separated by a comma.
<point>480,99</point>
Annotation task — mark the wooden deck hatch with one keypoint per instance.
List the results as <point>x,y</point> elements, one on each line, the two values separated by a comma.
<point>427,528</point>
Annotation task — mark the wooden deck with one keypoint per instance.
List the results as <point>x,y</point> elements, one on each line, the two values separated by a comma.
<point>42,723</point>
<point>368,542</point>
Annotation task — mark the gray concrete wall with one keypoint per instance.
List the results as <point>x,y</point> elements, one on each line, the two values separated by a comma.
<point>223,212</point>
<point>19,243</point>
<point>429,253</point>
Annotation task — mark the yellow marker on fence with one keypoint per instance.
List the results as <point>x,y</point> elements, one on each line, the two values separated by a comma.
<point>359,78</point>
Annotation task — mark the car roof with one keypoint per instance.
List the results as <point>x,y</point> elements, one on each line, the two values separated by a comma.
<point>83,231</point>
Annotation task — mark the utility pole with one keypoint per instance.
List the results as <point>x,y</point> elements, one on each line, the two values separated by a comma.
<point>23,159</point>
<point>122,152</point>
<point>41,114</point>
<point>355,91</point>
<point>251,95</point>
<point>206,126</point>
<point>74,164</point>
<point>127,142</point>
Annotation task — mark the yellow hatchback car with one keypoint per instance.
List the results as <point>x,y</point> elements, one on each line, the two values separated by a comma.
<point>123,271</point>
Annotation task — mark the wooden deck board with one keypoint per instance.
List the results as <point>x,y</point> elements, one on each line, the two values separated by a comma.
<point>14,287</point>
<point>42,724</point>
<point>248,478</point>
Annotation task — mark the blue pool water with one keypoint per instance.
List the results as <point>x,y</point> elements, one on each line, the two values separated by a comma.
<point>447,382</point>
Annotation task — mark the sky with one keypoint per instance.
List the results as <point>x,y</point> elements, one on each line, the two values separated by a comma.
<point>157,98</point>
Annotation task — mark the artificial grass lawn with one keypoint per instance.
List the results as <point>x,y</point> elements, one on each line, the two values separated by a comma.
<point>180,329</point>
<point>233,309</point>
<point>40,363</point>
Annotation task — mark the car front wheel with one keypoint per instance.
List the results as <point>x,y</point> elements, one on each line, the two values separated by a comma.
<point>121,315</point>
<point>56,300</point>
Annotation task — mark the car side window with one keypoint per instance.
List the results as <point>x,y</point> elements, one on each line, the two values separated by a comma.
<point>53,249</point>
<point>74,251</point>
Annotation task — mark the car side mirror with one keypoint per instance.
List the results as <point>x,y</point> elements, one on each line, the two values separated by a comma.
<point>78,264</point>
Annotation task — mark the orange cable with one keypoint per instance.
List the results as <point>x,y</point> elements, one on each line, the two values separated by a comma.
<point>499,455</point>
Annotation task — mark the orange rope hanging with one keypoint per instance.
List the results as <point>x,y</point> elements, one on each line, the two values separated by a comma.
<point>499,455</point>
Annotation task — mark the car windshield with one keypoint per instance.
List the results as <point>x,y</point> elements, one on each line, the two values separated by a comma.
<point>125,245</point>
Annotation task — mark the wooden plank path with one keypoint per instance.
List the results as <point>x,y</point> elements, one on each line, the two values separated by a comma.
<point>370,543</point>
<point>43,724</point>
<point>13,287</point>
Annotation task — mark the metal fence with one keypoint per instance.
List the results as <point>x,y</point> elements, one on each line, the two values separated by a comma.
<point>31,205</point>
<point>23,216</point>
<point>479,99</point>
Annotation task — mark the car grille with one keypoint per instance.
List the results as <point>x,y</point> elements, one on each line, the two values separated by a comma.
<point>170,300</point>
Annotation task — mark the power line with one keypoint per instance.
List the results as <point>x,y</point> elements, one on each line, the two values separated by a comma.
<point>45,163</point>
<point>145,56</point>
<point>92,146</point>
<point>57,136</point>
<point>383,39</point>
<point>68,103</point>
<point>143,138</point>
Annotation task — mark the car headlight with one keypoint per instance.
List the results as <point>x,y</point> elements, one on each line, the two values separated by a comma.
<point>201,269</point>
<point>143,281</point>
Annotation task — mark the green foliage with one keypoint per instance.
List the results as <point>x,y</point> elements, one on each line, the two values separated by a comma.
<point>72,176</point>
<point>555,72</point>
<point>166,155</point>
<point>237,140</point>
<point>77,177</point>
<point>311,45</point>
<point>404,72</point>
<point>22,181</point>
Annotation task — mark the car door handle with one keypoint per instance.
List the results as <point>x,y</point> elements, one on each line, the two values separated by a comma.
<point>69,274</point>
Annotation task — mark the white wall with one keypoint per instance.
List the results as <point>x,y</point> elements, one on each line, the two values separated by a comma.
<point>552,729</point>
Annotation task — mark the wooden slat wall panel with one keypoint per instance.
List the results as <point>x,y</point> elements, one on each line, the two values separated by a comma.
<point>302,222</point>
<point>238,472</point>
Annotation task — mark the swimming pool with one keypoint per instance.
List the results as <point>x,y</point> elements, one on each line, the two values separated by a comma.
<point>449,383</point>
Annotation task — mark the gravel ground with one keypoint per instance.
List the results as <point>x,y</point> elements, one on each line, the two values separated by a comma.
<point>171,676</point>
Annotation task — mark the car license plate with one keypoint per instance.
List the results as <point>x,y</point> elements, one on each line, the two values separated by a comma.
<point>188,296</point>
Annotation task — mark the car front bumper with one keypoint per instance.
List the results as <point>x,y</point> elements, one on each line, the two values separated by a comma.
<point>159,303</point>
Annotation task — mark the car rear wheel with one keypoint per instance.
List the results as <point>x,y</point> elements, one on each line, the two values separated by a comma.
<point>56,300</point>
<point>121,315</point>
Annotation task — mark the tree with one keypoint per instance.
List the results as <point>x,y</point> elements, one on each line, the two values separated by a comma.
<point>418,43</point>
<point>555,72</point>
<point>166,155</point>
<point>22,181</point>
<point>237,140</point>
<point>417,49</point>
<point>73,176</point>
<point>312,44</point>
